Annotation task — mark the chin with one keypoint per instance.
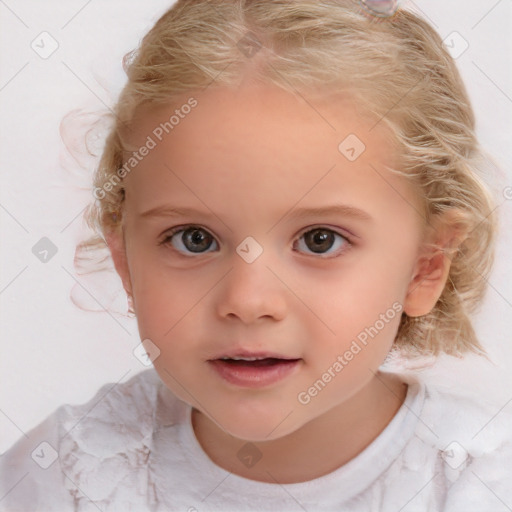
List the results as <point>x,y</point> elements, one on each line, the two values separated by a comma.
<point>249,427</point>
<point>253,433</point>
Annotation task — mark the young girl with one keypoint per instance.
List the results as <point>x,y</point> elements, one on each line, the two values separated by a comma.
<point>290,193</point>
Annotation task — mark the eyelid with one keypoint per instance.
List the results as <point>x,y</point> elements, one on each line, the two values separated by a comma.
<point>344,233</point>
<point>326,256</point>
<point>169,233</point>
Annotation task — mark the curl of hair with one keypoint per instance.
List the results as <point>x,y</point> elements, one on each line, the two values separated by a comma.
<point>398,71</point>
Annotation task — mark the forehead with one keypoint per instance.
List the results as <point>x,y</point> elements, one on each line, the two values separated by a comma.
<point>255,140</point>
<point>254,113</point>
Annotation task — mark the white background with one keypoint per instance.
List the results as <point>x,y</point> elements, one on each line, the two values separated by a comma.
<point>55,353</point>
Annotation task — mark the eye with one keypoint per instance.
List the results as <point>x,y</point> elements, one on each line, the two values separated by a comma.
<point>193,239</point>
<point>320,240</point>
<point>196,240</point>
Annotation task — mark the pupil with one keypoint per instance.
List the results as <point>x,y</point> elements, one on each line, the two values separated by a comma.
<point>317,240</point>
<point>195,241</point>
<point>324,239</point>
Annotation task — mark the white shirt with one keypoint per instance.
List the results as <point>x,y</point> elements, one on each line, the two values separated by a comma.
<point>132,448</point>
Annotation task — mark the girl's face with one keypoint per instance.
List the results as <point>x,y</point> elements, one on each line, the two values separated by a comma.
<point>250,230</point>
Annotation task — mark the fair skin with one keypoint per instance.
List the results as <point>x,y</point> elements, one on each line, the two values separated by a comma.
<point>246,160</point>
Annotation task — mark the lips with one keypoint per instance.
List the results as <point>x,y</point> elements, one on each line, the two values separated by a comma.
<point>267,361</point>
<point>254,369</point>
<point>251,356</point>
<point>254,373</point>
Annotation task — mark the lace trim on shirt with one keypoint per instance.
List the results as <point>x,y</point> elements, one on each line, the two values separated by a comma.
<point>104,450</point>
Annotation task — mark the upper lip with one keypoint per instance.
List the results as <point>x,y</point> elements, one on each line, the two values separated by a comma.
<point>249,354</point>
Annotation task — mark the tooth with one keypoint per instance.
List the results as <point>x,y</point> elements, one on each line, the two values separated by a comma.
<point>243,358</point>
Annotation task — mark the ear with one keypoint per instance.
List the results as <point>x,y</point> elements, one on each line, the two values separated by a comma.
<point>445,234</point>
<point>115,242</point>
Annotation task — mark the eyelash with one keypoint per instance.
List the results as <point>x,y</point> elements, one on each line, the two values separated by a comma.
<point>347,240</point>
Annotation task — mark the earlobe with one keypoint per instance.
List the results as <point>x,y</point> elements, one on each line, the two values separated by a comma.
<point>432,267</point>
<point>116,245</point>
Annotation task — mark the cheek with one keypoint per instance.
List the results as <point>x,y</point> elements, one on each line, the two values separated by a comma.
<point>358,298</point>
<point>168,305</point>
<point>360,310</point>
<point>163,295</point>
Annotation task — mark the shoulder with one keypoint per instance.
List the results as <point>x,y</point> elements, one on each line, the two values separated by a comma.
<point>86,452</point>
<point>480,426</point>
<point>30,464</point>
<point>473,440</point>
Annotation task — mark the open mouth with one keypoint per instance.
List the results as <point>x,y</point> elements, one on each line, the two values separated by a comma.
<point>254,372</point>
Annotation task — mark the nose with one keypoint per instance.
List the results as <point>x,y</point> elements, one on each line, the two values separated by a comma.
<point>252,291</point>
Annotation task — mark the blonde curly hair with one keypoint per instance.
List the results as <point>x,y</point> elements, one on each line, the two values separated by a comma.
<point>398,70</point>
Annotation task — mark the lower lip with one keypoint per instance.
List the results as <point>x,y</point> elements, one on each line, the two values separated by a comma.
<point>251,376</point>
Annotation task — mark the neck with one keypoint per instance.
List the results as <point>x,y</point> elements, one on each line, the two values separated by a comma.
<point>318,447</point>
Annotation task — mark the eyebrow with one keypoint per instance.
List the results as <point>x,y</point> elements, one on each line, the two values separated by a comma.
<point>170,211</point>
<point>337,209</point>
<point>295,214</point>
